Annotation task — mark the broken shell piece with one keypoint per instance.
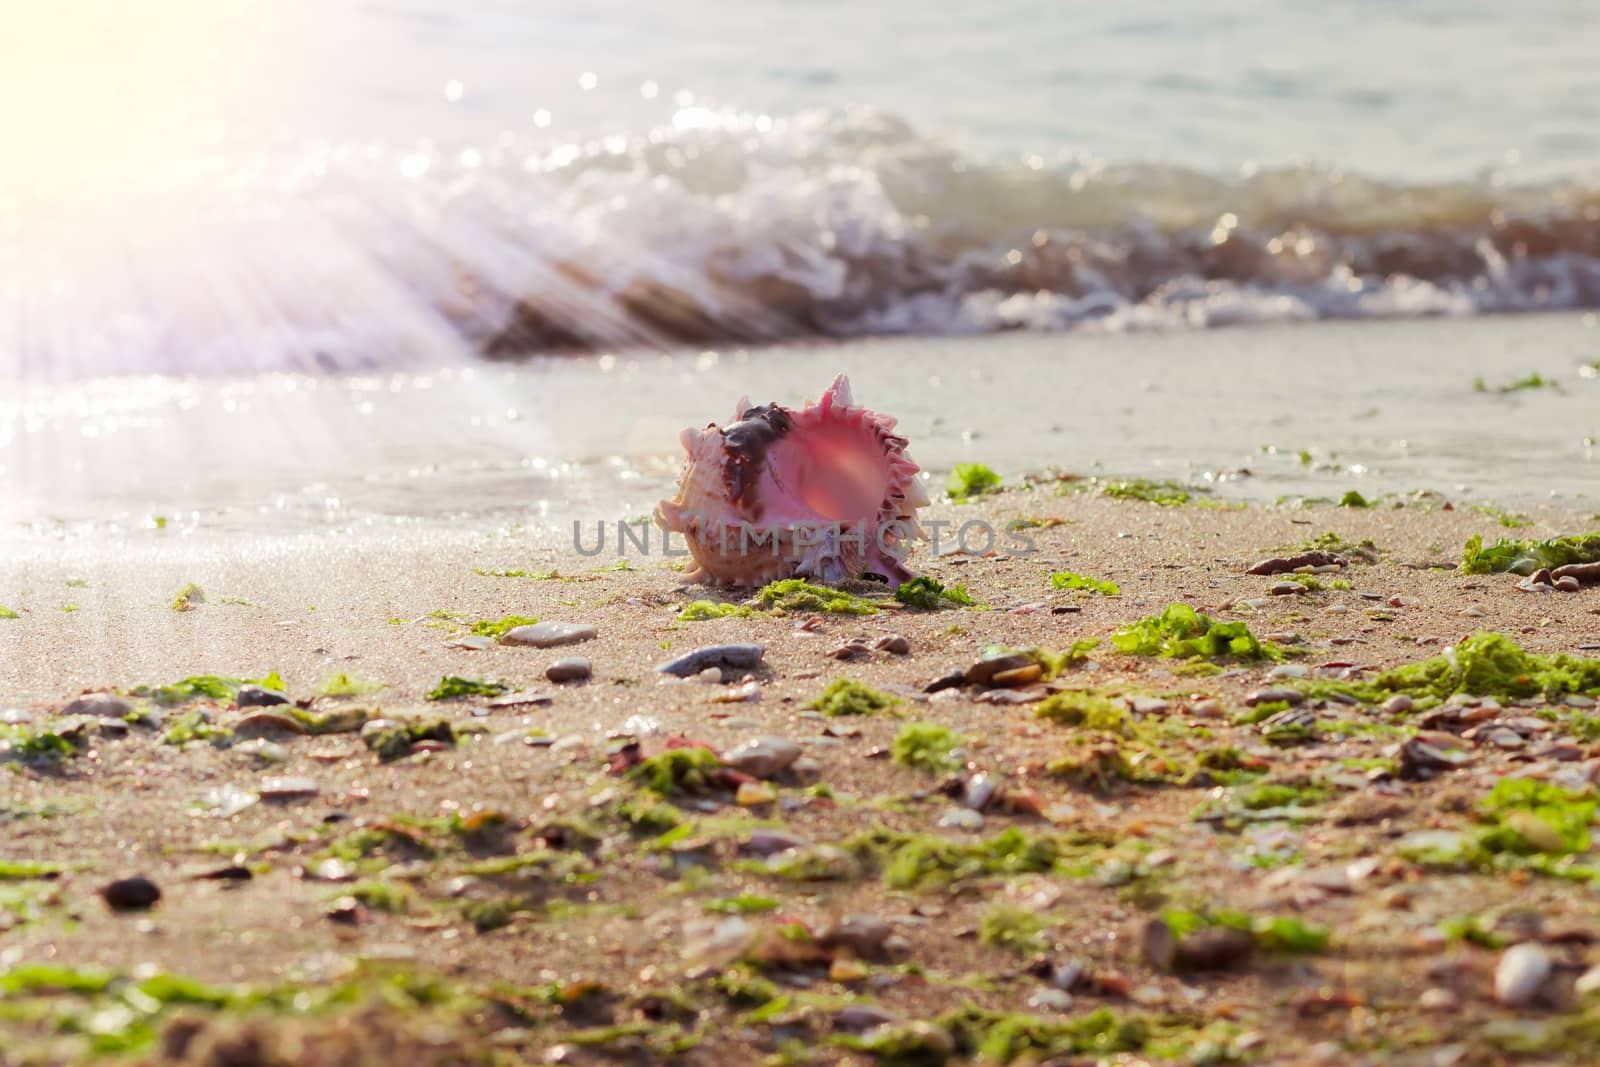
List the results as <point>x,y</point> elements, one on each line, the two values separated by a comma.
<point>826,492</point>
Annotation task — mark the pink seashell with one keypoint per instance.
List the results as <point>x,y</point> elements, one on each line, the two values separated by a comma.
<point>826,492</point>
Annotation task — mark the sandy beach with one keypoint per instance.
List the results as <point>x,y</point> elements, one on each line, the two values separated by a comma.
<point>515,890</point>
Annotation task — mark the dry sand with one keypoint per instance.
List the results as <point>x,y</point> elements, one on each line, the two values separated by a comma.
<point>1396,984</point>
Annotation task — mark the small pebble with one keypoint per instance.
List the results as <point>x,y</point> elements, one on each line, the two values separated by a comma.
<point>570,669</point>
<point>1287,589</point>
<point>754,794</point>
<point>1272,696</point>
<point>131,894</point>
<point>1568,584</point>
<point>1398,704</point>
<point>894,644</point>
<point>1520,974</point>
<point>257,696</point>
<point>961,819</point>
<point>549,634</point>
<point>735,657</point>
<point>763,757</point>
<point>287,788</point>
<point>108,705</point>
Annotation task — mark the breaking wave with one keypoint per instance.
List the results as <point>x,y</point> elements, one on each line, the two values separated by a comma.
<point>727,228</point>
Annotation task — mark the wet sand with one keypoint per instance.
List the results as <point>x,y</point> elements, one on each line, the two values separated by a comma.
<point>628,910</point>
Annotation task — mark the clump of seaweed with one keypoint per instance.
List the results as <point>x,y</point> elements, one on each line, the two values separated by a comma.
<point>799,595</point>
<point>926,593</point>
<point>1181,632</point>
<point>1491,664</point>
<point>845,696</point>
<point>703,610</point>
<point>1508,555</point>
<point>455,687</point>
<point>927,746</point>
<point>498,628</point>
<point>968,480</point>
<point>1068,580</point>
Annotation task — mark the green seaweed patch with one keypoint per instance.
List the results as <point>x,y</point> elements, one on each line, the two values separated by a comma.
<point>538,576</point>
<point>1354,499</point>
<point>196,726</point>
<point>189,597</point>
<point>1002,1037</point>
<point>1366,550</point>
<point>1167,494</point>
<point>215,687</point>
<point>395,742</point>
<point>926,593</point>
<point>344,684</point>
<point>1273,933</point>
<point>497,628</point>
<point>382,896</point>
<point>455,687</point>
<point>925,861</point>
<point>1531,380</point>
<point>688,770</point>
<point>1491,664</point>
<point>43,748</point>
<point>968,480</point>
<point>1181,632</point>
<point>7,613</point>
<point>743,904</point>
<point>1524,557</point>
<point>1069,580</point>
<point>704,610</point>
<point>25,870</point>
<point>1540,816</point>
<point>1086,708</point>
<point>798,595</point>
<point>1014,929</point>
<point>845,696</point>
<point>927,746</point>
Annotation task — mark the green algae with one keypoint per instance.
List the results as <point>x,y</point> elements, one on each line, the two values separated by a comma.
<point>44,748</point>
<point>845,696</point>
<point>1524,557</point>
<point>337,721</point>
<point>925,861</point>
<point>195,726</point>
<point>1181,632</point>
<point>1354,499</point>
<point>1560,823</point>
<point>743,904</point>
<point>1164,494</point>
<point>968,480</point>
<point>927,746</point>
<point>1086,708</point>
<point>7,613</point>
<point>538,576</point>
<point>344,684</point>
<point>1491,664</point>
<point>395,742</point>
<point>382,896</point>
<point>676,771</point>
<point>203,687</point>
<point>1273,933</point>
<point>799,595</point>
<point>926,593</point>
<point>455,687</point>
<point>1531,380</point>
<point>1069,580</point>
<point>497,628</point>
<point>25,870</point>
<point>1014,929</point>
<point>189,597</point>
<point>703,610</point>
<point>1366,550</point>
